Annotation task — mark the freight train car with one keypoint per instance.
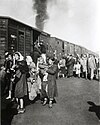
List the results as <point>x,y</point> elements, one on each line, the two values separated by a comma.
<point>57,47</point>
<point>69,48</point>
<point>78,50</point>
<point>14,36</point>
<point>17,36</point>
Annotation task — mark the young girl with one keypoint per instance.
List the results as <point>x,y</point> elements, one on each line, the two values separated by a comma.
<point>77,69</point>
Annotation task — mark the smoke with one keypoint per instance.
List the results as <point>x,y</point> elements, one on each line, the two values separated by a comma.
<point>40,7</point>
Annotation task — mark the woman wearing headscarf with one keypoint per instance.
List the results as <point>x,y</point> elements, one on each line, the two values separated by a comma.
<point>21,70</point>
<point>33,87</point>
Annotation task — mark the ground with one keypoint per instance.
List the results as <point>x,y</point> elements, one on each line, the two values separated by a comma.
<point>71,107</point>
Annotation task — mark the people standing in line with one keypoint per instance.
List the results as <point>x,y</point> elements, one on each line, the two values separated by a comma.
<point>70,65</point>
<point>91,66</point>
<point>21,69</point>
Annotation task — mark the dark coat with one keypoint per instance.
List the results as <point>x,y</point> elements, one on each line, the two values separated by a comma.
<point>20,79</point>
<point>70,64</point>
<point>36,54</point>
<point>52,86</point>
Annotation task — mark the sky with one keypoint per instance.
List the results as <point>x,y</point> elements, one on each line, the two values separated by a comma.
<point>75,21</point>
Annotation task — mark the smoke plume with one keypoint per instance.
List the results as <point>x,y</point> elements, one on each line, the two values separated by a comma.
<point>40,7</point>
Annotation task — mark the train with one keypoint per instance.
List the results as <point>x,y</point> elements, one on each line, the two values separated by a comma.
<point>18,36</point>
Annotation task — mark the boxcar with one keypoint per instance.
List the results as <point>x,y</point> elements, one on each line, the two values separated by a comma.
<point>17,36</point>
<point>56,47</point>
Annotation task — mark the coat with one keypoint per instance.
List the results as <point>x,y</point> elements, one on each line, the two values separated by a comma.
<point>70,65</point>
<point>83,63</point>
<point>20,79</point>
<point>91,63</point>
<point>52,85</point>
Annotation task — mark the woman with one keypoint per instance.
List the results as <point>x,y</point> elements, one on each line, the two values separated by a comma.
<point>21,69</point>
<point>33,87</point>
<point>52,86</point>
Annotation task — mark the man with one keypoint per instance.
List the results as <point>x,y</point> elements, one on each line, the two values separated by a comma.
<point>91,66</point>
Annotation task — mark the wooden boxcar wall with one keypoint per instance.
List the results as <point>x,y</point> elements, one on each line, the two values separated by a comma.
<point>57,46</point>
<point>21,36</point>
<point>69,48</point>
<point>78,50</point>
<point>15,36</point>
<point>3,38</point>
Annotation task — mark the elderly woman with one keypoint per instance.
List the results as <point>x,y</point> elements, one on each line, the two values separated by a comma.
<point>20,81</point>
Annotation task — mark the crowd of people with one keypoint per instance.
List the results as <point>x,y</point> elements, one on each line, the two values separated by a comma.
<point>20,77</point>
<point>36,74</point>
<point>79,66</point>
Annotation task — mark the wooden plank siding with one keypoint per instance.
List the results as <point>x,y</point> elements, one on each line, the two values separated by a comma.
<point>3,39</point>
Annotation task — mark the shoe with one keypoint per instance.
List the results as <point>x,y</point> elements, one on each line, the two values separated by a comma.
<point>13,99</point>
<point>50,104</point>
<point>45,102</point>
<point>8,97</point>
<point>18,107</point>
<point>21,110</point>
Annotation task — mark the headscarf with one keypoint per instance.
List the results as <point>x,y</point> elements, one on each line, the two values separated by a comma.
<point>20,56</point>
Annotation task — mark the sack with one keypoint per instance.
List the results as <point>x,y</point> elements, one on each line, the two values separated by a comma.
<point>32,93</point>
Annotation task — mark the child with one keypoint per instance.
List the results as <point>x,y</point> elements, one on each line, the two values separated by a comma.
<point>77,68</point>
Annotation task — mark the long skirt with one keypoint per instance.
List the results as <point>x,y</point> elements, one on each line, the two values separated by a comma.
<point>52,89</point>
<point>21,87</point>
<point>63,70</point>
